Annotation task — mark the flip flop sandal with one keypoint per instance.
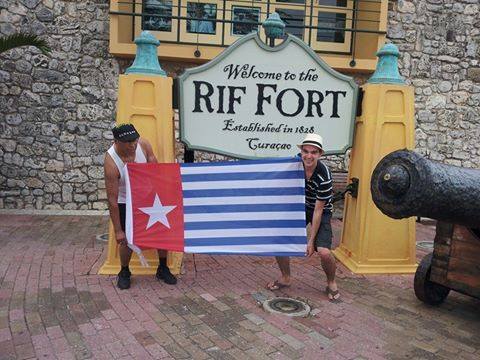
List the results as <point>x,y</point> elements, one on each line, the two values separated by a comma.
<point>331,295</point>
<point>276,285</point>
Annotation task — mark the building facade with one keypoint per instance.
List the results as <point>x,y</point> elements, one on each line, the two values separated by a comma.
<point>56,111</point>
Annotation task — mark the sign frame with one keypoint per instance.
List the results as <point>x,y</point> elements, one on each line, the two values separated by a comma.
<point>255,36</point>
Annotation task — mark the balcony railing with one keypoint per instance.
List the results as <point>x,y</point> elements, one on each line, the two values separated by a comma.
<point>352,28</point>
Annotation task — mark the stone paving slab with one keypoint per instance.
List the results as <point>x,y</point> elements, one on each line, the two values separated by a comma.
<point>53,305</point>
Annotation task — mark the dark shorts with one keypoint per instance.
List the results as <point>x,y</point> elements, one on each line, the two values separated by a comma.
<point>122,209</point>
<point>324,234</point>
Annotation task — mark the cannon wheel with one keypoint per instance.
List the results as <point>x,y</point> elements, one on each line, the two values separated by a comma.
<point>426,290</point>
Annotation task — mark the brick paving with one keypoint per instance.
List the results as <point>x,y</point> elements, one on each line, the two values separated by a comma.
<point>53,305</point>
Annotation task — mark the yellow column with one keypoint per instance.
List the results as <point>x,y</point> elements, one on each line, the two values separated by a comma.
<point>373,243</point>
<point>145,100</point>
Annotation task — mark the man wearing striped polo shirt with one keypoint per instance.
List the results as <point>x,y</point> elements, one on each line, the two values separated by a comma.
<point>318,213</point>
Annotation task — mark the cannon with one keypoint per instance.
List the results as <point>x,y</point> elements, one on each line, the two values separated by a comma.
<point>405,184</point>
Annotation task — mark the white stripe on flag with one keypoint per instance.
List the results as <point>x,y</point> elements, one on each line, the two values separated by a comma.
<point>201,234</point>
<point>236,200</point>
<point>273,215</point>
<point>242,184</point>
<point>248,249</point>
<point>240,168</point>
<point>128,209</point>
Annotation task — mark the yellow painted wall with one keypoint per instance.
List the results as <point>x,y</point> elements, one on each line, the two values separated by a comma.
<point>368,18</point>
<point>121,26</point>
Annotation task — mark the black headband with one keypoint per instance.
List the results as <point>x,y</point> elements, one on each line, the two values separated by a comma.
<point>310,142</point>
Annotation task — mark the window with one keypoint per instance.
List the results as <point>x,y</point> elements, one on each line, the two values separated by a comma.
<point>157,18</point>
<point>160,18</point>
<point>245,20</point>
<point>330,19</point>
<point>292,1</point>
<point>335,22</point>
<point>295,14</point>
<point>340,3</point>
<point>202,25</point>
<point>294,21</point>
<point>243,17</point>
<point>202,18</point>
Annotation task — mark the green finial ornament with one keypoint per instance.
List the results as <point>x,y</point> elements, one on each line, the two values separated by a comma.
<point>387,67</point>
<point>274,26</point>
<point>146,59</point>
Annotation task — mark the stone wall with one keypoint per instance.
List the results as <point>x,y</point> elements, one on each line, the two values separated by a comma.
<point>439,42</point>
<point>56,111</point>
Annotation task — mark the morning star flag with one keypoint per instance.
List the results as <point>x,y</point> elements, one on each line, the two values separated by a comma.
<point>238,207</point>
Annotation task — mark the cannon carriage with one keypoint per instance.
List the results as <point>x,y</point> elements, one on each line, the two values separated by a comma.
<point>405,184</point>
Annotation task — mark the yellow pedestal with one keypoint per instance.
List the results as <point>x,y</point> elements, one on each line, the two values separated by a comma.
<point>373,243</point>
<point>146,102</point>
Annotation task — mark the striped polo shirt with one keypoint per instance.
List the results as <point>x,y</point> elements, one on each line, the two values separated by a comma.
<point>319,187</point>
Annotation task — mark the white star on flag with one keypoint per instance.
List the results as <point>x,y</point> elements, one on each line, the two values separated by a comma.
<point>157,213</point>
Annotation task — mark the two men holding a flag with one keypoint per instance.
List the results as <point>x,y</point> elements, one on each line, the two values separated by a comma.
<point>247,207</point>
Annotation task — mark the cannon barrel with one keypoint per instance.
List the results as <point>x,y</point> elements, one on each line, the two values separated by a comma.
<point>405,184</point>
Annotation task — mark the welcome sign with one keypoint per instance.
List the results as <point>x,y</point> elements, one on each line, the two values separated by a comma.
<point>256,101</point>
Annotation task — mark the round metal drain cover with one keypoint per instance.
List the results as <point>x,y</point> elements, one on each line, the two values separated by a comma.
<point>427,245</point>
<point>102,237</point>
<point>286,306</point>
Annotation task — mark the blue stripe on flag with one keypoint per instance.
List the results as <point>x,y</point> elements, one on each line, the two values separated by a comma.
<point>243,192</point>
<point>244,162</point>
<point>287,253</point>
<point>219,241</point>
<point>244,224</point>
<point>205,209</point>
<point>243,176</point>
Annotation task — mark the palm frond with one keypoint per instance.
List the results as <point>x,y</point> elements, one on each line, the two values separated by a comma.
<point>21,39</point>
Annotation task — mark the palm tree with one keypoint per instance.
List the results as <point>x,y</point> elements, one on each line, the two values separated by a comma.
<point>21,39</point>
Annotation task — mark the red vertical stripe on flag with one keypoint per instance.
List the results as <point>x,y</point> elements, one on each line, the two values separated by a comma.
<point>157,206</point>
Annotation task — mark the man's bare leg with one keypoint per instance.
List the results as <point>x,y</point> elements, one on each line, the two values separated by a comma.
<point>330,267</point>
<point>284,266</point>
<point>125,254</point>
<point>162,254</point>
